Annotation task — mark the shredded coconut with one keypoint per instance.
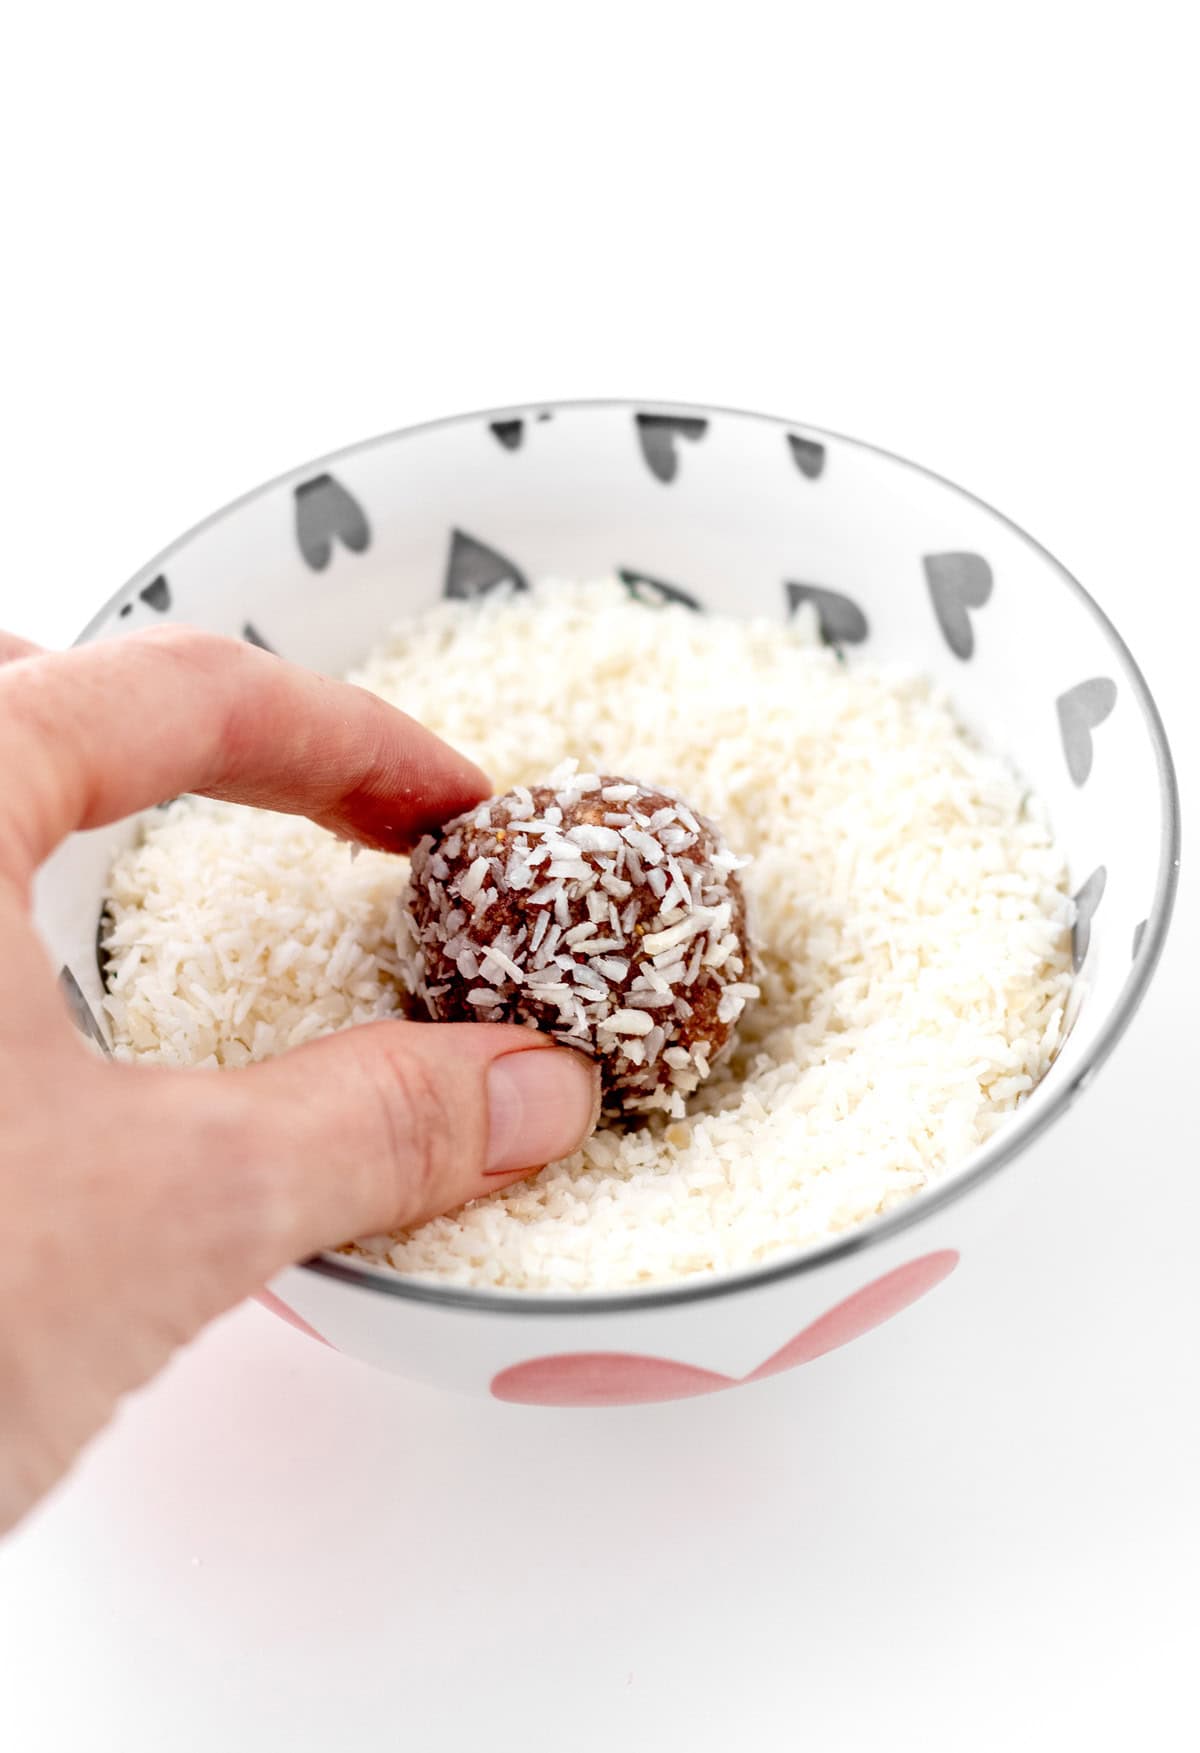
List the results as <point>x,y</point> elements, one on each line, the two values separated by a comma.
<point>909,901</point>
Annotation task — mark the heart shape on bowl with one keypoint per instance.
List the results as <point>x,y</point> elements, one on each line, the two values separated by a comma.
<point>327,513</point>
<point>473,569</point>
<point>277,1306</point>
<point>957,584</point>
<point>1081,710</point>
<point>654,592</point>
<point>621,1378</point>
<point>840,618</point>
<point>807,454</point>
<point>1087,899</point>
<point>509,433</point>
<point>657,434</point>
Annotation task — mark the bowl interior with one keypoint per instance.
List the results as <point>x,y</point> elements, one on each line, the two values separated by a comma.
<point>723,511</point>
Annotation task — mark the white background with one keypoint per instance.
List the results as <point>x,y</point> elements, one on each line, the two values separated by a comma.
<point>242,235</point>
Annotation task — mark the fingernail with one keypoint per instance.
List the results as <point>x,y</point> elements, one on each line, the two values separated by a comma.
<point>542,1104</point>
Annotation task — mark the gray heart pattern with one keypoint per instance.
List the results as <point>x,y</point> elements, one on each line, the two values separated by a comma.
<point>958,583</point>
<point>808,455</point>
<point>655,592</point>
<point>473,569</point>
<point>252,636</point>
<point>325,513</point>
<point>103,921</point>
<point>1087,900</point>
<point>156,595</point>
<point>81,1011</point>
<point>1080,710</point>
<point>657,435</point>
<point>842,621</point>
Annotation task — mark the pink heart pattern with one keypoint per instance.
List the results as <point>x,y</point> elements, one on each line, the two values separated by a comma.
<point>618,1378</point>
<point>269,1300</point>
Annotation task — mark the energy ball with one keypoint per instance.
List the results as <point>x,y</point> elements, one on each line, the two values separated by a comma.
<point>606,913</point>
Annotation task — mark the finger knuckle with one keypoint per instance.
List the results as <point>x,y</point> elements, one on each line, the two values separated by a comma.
<point>185,645</point>
<point>35,785</point>
<point>419,1128</point>
<point>232,1161</point>
<point>23,700</point>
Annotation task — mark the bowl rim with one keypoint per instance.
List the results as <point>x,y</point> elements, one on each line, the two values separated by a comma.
<point>1009,1142</point>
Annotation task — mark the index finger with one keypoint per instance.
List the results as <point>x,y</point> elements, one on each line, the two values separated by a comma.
<point>89,735</point>
<point>12,647</point>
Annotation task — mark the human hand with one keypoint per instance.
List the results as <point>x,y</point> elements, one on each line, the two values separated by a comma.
<point>141,1202</point>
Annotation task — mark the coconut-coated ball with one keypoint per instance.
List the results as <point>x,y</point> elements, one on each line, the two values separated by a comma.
<point>604,912</point>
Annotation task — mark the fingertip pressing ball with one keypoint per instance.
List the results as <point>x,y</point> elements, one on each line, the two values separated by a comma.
<point>606,913</point>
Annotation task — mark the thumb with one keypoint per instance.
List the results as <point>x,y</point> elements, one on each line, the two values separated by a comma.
<point>383,1126</point>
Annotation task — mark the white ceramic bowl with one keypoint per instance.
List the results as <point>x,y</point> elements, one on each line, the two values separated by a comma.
<point>747,515</point>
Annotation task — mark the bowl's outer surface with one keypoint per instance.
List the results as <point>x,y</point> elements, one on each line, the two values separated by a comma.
<point>749,516</point>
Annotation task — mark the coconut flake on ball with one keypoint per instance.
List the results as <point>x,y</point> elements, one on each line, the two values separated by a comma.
<point>607,913</point>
